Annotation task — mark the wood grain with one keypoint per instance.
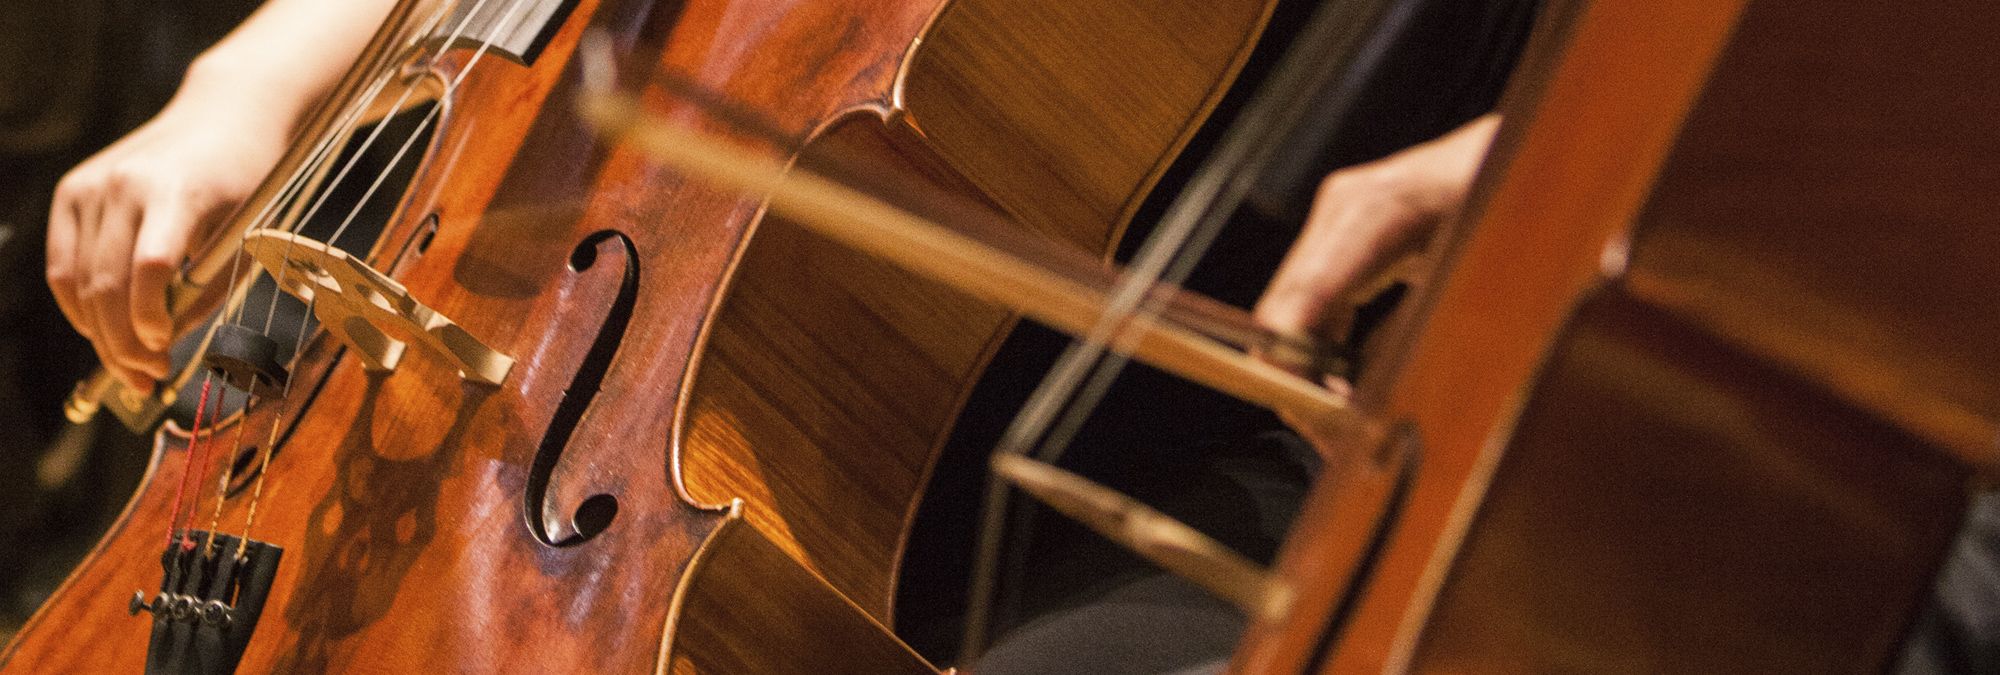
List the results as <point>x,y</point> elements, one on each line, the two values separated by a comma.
<point>1691,381</point>
<point>876,361</point>
<point>824,384</point>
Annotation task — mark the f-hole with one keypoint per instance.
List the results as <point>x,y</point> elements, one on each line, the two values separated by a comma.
<point>596,512</point>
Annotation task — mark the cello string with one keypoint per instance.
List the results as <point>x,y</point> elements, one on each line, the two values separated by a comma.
<point>263,468</point>
<point>201,461</point>
<point>396,160</point>
<point>1087,369</point>
<point>322,153</point>
<point>1194,221</point>
<point>506,23</point>
<point>345,122</point>
<point>1247,150</point>
<point>428,29</point>
<point>355,158</point>
<point>1053,415</point>
<point>1056,411</point>
<point>271,310</point>
<point>295,183</point>
<point>194,441</point>
<point>1084,373</point>
<point>222,485</point>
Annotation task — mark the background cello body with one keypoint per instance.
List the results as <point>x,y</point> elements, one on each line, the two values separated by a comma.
<point>1704,383</point>
<point>708,451</point>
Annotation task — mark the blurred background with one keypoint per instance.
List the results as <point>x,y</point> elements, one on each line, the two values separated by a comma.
<point>75,75</point>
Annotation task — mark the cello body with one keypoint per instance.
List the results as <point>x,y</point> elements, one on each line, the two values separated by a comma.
<point>1701,383</point>
<point>716,429</point>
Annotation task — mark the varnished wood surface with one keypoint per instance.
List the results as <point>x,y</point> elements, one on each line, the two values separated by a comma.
<point>1069,137</point>
<point>1670,503</point>
<point>1455,372</point>
<point>1830,209</point>
<point>1793,346</point>
<point>824,387</point>
<point>872,363</point>
<point>399,499</point>
<point>1694,390</point>
<point>743,585</point>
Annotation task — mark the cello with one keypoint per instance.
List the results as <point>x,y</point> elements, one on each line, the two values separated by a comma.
<point>550,420</point>
<point>1685,376</point>
<point>1674,411</point>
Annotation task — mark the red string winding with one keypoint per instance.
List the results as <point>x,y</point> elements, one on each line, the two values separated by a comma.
<point>194,460</point>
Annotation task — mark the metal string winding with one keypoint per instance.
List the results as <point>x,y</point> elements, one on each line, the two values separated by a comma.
<point>507,22</point>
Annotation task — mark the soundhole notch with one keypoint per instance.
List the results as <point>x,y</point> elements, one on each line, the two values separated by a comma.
<point>596,512</point>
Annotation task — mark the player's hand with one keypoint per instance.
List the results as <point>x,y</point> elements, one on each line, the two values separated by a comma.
<point>1363,220</point>
<point>122,221</point>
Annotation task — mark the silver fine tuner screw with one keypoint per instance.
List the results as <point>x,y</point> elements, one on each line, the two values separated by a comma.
<point>183,608</point>
<point>214,613</point>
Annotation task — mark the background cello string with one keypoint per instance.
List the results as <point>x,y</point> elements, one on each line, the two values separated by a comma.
<point>878,228</point>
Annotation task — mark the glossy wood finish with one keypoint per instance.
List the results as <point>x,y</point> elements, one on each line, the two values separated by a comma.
<point>1809,310</point>
<point>825,385</point>
<point>1684,399</point>
<point>1670,503</point>
<point>400,498</point>
<point>1457,372</point>
<point>873,363</point>
<point>748,607</point>
<point>1846,149</point>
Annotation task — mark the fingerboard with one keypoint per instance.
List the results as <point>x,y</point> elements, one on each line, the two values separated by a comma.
<point>517,29</point>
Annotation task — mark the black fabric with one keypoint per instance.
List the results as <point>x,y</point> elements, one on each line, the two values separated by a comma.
<point>1959,629</point>
<point>1154,623</point>
<point>1093,607</point>
<point>1226,467</point>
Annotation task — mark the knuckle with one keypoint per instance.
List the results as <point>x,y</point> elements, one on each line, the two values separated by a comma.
<point>135,175</point>
<point>167,184</point>
<point>100,288</point>
<point>60,276</point>
<point>75,184</point>
<point>1335,183</point>
<point>154,262</point>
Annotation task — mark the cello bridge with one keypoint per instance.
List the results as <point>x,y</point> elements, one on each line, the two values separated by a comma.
<point>372,313</point>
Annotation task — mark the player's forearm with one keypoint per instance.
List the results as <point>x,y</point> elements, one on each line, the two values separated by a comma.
<point>285,58</point>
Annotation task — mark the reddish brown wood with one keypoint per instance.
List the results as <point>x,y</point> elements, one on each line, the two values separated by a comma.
<point>762,503</point>
<point>1696,389</point>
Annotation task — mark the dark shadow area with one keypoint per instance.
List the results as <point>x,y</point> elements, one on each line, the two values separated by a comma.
<point>1224,466</point>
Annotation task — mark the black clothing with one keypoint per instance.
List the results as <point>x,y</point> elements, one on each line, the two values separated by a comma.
<point>1070,601</point>
<point>1959,630</point>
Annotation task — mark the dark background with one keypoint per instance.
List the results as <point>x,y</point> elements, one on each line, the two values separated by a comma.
<point>75,75</point>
